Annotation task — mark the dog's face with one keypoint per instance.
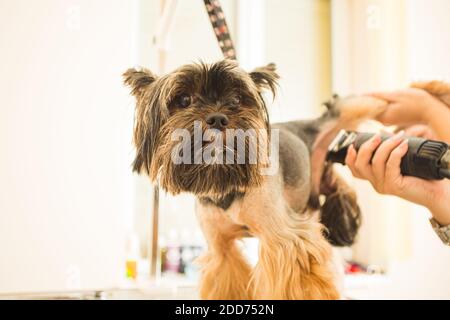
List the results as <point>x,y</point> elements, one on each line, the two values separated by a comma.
<point>218,97</point>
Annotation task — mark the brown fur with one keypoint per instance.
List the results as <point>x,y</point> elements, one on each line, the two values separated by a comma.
<point>225,272</point>
<point>217,179</point>
<point>157,115</point>
<point>234,200</point>
<point>294,259</point>
<point>339,197</point>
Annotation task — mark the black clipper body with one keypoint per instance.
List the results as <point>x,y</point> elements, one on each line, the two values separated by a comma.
<point>426,159</point>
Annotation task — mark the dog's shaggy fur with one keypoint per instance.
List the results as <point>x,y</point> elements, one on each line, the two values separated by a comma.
<point>235,200</point>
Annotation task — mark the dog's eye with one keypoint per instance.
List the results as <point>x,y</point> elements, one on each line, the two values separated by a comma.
<point>235,102</point>
<point>184,101</point>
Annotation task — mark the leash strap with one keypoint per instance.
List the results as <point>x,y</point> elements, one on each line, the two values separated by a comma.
<point>217,18</point>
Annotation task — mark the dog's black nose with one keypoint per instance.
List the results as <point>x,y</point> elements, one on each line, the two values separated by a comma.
<point>217,120</point>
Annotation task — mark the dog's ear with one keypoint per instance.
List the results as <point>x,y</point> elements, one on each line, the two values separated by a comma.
<point>340,212</point>
<point>266,78</point>
<point>144,149</point>
<point>138,80</point>
<point>149,116</point>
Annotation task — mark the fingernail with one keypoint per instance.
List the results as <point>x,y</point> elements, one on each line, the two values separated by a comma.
<point>404,144</point>
<point>350,148</point>
<point>376,139</point>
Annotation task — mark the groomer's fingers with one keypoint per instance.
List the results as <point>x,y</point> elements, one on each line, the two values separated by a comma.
<point>393,174</point>
<point>420,130</point>
<point>388,96</point>
<point>350,160</point>
<point>365,153</point>
<point>392,115</point>
<point>393,96</point>
<point>381,157</point>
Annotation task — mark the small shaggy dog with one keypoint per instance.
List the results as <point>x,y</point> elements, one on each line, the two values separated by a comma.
<point>235,198</point>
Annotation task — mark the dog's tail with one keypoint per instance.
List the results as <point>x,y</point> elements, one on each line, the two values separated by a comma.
<point>339,210</point>
<point>330,194</point>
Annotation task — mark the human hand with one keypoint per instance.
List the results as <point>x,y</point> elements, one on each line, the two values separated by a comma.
<point>409,106</point>
<point>379,163</point>
<point>421,131</point>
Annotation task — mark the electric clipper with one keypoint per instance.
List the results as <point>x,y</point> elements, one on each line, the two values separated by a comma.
<point>426,159</point>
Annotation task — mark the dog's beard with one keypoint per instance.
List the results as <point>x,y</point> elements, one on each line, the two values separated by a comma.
<point>215,176</point>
